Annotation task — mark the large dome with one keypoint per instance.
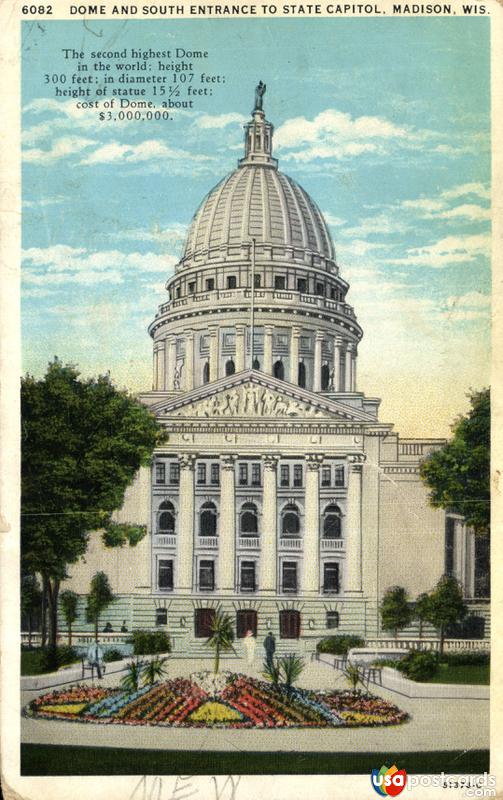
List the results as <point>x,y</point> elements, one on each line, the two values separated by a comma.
<point>257,201</point>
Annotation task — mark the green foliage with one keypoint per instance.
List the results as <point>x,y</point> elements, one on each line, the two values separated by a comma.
<point>271,671</point>
<point>422,610</point>
<point>64,655</point>
<point>117,535</point>
<point>458,475</point>
<point>31,601</point>
<point>339,645</point>
<point>153,671</point>
<point>353,676</point>
<point>446,605</point>
<point>131,680</point>
<point>69,601</point>
<point>98,599</point>
<point>290,668</point>
<point>396,612</point>
<point>113,654</point>
<point>222,635</point>
<point>419,665</point>
<point>82,442</point>
<point>467,658</point>
<point>149,642</point>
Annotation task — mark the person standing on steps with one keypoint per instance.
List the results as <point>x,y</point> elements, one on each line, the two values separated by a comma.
<point>270,647</point>
<point>249,646</point>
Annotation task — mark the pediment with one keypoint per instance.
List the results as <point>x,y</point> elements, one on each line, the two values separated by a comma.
<point>252,394</point>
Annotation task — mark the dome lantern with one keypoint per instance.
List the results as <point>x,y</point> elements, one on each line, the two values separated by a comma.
<point>258,135</point>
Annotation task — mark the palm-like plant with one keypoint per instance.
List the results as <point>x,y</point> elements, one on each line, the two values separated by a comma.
<point>291,667</point>
<point>272,672</point>
<point>131,679</point>
<point>222,635</point>
<point>153,671</point>
<point>352,675</point>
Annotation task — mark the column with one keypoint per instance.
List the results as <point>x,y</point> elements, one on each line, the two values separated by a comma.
<point>227,526</point>
<point>240,347</point>
<point>185,537</point>
<point>294,355</point>
<point>160,364</point>
<point>338,378</point>
<point>312,525</point>
<point>170,354</point>
<point>353,534</point>
<point>317,361</point>
<point>347,378</point>
<point>269,544</point>
<point>155,368</point>
<point>268,333</point>
<point>189,360</point>
<point>353,369</point>
<point>213,352</point>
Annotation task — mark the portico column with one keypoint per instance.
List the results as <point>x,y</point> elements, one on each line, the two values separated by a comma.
<point>338,342</point>
<point>268,554</point>
<point>240,348</point>
<point>312,525</point>
<point>155,367</point>
<point>170,353</point>
<point>185,537</point>
<point>353,369</point>
<point>268,332</point>
<point>227,527</point>
<point>189,360</point>
<point>213,352</point>
<point>160,364</point>
<point>347,370</point>
<point>317,361</point>
<point>353,581</point>
<point>294,354</point>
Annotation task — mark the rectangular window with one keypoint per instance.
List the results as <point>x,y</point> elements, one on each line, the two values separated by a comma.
<point>160,473</point>
<point>215,474</point>
<point>297,475</point>
<point>333,295</point>
<point>332,619</point>
<point>248,576</point>
<point>205,342</point>
<point>449,545</point>
<point>174,473</point>
<point>302,285</point>
<point>207,576</point>
<point>326,476</point>
<point>178,292</point>
<point>320,289</point>
<point>255,475</point>
<point>229,339</point>
<point>231,281</point>
<point>257,282</point>
<point>192,287</point>
<point>289,576</point>
<point>305,343</point>
<point>243,474</point>
<point>331,577</point>
<point>161,616</point>
<point>201,473</point>
<point>210,284</point>
<point>282,340</point>
<point>339,475</point>
<point>279,282</point>
<point>165,575</point>
<point>284,478</point>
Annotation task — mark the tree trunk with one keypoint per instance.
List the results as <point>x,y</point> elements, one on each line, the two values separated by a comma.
<point>30,625</point>
<point>43,627</point>
<point>69,633</point>
<point>420,628</point>
<point>217,659</point>
<point>52,596</point>
<point>96,623</point>
<point>442,636</point>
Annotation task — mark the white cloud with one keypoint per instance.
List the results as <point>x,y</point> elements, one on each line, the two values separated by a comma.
<point>479,189</point>
<point>66,146</point>
<point>172,234</point>
<point>469,211</point>
<point>449,250</point>
<point>219,120</point>
<point>41,202</point>
<point>149,150</point>
<point>331,219</point>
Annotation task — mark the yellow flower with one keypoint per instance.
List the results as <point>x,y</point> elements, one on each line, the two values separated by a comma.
<point>68,708</point>
<point>214,712</point>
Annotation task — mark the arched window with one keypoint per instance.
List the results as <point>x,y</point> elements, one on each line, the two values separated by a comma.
<point>166,517</point>
<point>256,363</point>
<point>208,520</point>
<point>325,377</point>
<point>230,368</point>
<point>206,372</point>
<point>332,522</point>
<point>249,520</point>
<point>302,375</point>
<point>290,520</point>
<point>278,370</point>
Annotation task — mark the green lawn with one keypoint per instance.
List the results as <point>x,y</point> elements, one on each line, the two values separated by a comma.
<point>38,759</point>
<point>465,673</point>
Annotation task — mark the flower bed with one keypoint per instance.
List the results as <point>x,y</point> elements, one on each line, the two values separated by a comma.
<point>231,701</point>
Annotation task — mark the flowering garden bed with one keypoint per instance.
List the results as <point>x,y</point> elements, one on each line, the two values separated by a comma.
<point>236,701</point>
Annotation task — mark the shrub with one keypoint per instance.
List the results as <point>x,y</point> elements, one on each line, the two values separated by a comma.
<point>339,645</point>
<point>64,655</point>
<point>113,655</point>
<point>291,668</point>
<point>419,665</point>
<point>467,657</point>
<point>149,642</point>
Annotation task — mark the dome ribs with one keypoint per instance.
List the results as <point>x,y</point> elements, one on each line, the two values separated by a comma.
<point>312,229</point>
<point>249,175</point>
<point>280,223</point>
<point>297,223</point>
<point>214,222</point>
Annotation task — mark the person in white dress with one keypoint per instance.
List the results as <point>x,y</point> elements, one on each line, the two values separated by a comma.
<point>249,646</point>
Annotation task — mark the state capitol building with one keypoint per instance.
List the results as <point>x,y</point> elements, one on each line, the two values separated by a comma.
<point>278,494</point>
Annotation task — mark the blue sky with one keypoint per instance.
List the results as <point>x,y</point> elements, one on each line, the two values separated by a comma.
<point>385,122</point>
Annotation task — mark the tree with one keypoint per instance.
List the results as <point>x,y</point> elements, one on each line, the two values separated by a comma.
<point>446,606</point>
<point>422,610</point>
<point>222,635</point>
<point>69,601</point>
<point>82,442</point>
<point>98,599</point>
<point>458,474</point>
<point>31,601</point>
<point>396,612</point>
<point>153,671</point>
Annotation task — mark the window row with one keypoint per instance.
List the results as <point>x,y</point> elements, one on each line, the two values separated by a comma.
<point>249,474</point>
<point>247,620</point>
<point>248,578</point>
<point>280,283</point>
<point>290,520</point>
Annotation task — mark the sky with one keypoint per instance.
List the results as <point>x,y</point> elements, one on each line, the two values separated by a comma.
<point>384,122</point>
